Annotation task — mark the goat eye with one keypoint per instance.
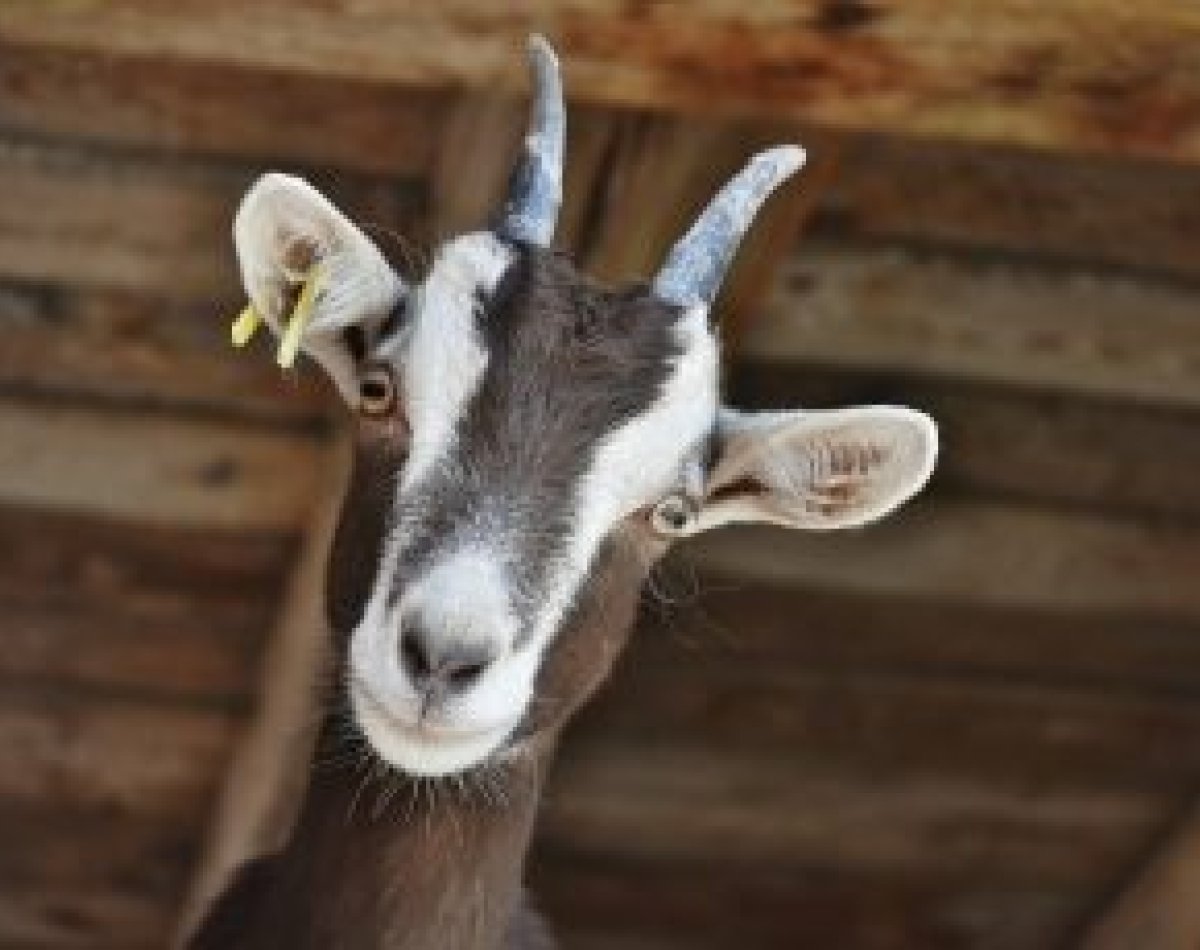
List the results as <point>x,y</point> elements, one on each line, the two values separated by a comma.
<point>673,515</point>
<point>376,392</point>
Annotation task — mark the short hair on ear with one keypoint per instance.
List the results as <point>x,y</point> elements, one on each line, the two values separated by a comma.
<point>817,470</point>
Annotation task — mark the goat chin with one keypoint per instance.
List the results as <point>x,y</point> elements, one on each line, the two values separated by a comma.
<point>421,752</point>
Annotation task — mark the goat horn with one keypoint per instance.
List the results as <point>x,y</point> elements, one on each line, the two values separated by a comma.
<point>535,188</point>
<point>697,264</point>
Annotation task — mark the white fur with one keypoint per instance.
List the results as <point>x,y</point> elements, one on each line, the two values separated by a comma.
<point>443,358</point>
<point>639,462</point>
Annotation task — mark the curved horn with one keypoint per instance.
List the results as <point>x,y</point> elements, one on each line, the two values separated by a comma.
<point>535,189</point>
<point>696,265</point>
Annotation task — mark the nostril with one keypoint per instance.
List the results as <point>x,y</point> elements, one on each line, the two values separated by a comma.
<point>463,675</point>
<point>415,656</point>
<point>441,667</point>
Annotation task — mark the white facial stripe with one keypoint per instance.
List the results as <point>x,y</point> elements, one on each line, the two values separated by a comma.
<point>464,596</point>
<point>444,360</point>
<point>638,462</point>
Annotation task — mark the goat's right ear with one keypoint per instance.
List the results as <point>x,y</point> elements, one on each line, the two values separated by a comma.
<point>289,236</point>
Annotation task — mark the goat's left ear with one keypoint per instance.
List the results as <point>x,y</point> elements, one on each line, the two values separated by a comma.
<point>818,470</point>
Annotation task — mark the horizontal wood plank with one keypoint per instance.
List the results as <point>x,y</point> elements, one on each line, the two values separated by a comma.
<point>156,469</point>
<point>894,308</point>
<point>130,757</point>
<point>1138,215</point>
<point>73,876</point>
<point>871,716</point>
<point>598,901</point>
<point>688,804</point>
<point>146,351</point>
<point>987,553</point>
<point>99,606</point>
<point>206,108</point>
<point>136,222</point>
<point>1078,75</point>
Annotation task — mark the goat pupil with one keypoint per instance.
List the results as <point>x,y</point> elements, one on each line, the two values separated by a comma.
<point>374,390</point>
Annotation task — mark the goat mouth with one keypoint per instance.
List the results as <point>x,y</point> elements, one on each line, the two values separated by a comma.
<point>423,747</point>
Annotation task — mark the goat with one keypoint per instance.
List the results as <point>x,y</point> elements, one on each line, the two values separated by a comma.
<point>528,444</point>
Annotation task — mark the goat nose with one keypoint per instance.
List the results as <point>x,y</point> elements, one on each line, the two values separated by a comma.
<point>442,668</point>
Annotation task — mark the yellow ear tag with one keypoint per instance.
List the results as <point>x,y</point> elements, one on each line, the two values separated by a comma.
<point>298,322</point>
<point>244,326</point>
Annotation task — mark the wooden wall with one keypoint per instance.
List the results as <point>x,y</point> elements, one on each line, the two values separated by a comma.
<point>964,729</point>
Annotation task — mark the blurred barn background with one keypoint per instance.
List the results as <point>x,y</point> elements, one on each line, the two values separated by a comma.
<point>975,727</point>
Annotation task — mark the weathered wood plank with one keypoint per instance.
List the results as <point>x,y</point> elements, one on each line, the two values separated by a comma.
<point>1132,660</point>
<point>1138,215</point>
<point>1077,75</point>
<point>164,613</point>
<point>875,715</point>
<point>130,757</point>
<point>174,105</point>
<point>155,469</point>
<point>606,902</point>
<point>1040,447</point>
<point>979,552</point>
<point>136,222</point>
<point>688,804</point>
<point>894,308</point>
<point>73,876</point>
<point>138,350</point>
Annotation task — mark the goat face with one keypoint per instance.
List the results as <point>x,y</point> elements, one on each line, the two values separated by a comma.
<point>528,444</point>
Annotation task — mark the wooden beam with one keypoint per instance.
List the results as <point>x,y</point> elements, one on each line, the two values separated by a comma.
<point>979,552</point>
<point>601,901</point>
<point>87,217</point>
<point>209,108</point>
<point>823,685</point>
<point>146,352</point>
<point>680,802</point>
<point>1078,75</point>
<point>896,308</point>
<point>148,468</point>
<point>1129,214</point>
<point>1158,907</point>
<point>99,607</point>
<point>264,784</point>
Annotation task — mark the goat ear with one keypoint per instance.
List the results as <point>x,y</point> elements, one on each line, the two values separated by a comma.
<point>289,238</point>
<point>817,470</point>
